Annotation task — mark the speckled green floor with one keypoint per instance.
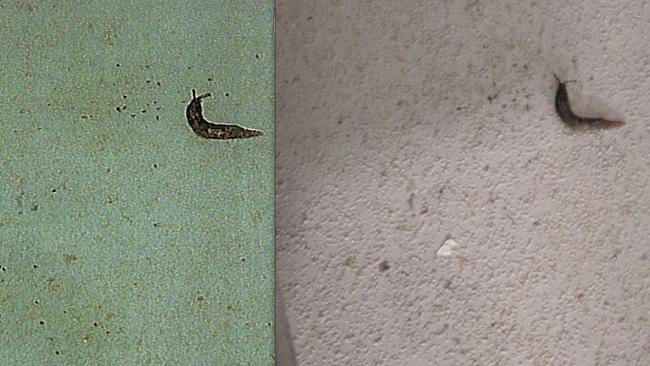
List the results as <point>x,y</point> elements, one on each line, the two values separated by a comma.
<point>125,239</point>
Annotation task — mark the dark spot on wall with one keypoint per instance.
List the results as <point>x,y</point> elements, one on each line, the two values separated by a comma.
<point>199,298</point>
<point>384,266</point>
<point>41,322</point>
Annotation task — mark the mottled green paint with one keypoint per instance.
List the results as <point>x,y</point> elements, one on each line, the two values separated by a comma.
<point>128,240</point>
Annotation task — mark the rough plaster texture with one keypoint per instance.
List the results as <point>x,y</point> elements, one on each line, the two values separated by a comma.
<point>404,123</point>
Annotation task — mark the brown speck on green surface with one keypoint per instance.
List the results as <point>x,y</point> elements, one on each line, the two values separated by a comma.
<point>69,258</point>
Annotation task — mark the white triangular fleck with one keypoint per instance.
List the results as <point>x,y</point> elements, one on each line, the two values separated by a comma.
<point>447,248</point>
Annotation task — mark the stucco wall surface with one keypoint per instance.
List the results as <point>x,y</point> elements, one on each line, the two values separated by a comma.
<point>431,207</point>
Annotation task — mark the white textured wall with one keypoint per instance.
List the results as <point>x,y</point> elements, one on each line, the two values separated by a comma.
<point>403,123</point>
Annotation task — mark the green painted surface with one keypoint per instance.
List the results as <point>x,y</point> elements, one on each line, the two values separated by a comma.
<point>125,239</point>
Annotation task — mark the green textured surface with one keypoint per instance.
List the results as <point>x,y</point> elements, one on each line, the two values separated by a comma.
<point>124,238</point>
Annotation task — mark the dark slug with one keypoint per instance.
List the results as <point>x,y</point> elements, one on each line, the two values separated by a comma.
<point>208,130</point>
<point>567,116</point>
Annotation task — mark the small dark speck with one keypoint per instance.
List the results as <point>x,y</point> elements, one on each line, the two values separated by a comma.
<point>199,298</point>
<point>144,111</point>
<point>157,118</point>
<point>3,268</point>
<point>155,224</point>
<point>158,83</point>
<point>227,94</point>
<point>340,121</point>
<point>35,266</point>
<point>118,109</point>
<point>57,352</point>
<point>95,324</point>
<point>41,322</point>
<point>108,332</point>
<point>310,17</point>
<point>384,266</point>
<point>118,65</point>
<point>155,165</point>
<point>133,115</point>
<point>257,56</point>
<point>124,97</point>
<point>536,223</point>
<point>53,190</point>
<point>148,81</point>
<point>243,259</point>
<point>209,79</point>
<point>36,302</point>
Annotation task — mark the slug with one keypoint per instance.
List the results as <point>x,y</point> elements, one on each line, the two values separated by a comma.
<point>209,130</point>
<point>567,116</point>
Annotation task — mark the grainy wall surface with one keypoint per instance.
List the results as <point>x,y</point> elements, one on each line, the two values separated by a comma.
<point>403,124</point>
<point>126,239</point>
